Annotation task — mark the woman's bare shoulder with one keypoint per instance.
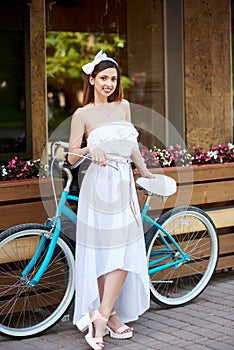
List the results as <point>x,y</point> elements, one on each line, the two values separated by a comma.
<point>81,112</point>
<point>126,109</point>
<point>125,102</point>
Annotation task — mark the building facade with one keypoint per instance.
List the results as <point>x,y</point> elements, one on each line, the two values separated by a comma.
<point>178,54</point>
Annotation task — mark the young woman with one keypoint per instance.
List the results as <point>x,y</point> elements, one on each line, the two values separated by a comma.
<point>111,268</point>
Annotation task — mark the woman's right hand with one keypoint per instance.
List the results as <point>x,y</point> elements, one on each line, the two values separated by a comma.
<point>99,157</point>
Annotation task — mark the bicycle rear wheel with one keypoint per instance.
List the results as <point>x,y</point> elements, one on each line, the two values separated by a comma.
<point>24,310</point>
<point>196,235</point>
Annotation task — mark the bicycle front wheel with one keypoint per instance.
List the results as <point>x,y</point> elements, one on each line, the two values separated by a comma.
<point>25,310</point>
<point>195,234</point>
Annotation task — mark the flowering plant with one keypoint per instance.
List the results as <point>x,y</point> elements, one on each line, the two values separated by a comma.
<point>218,154</point>
<point>177,156</point>
<point>17,169</point>
<point>171,156</point>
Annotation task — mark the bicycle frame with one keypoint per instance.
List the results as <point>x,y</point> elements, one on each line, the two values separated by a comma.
<point>165,253</point>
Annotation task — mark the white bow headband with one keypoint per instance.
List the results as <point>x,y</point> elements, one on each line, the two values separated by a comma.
<point>100,56</point>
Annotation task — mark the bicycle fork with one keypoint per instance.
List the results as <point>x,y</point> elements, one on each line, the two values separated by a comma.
<point>53,235</point>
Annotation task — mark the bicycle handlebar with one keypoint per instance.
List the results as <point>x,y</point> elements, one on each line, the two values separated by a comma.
<point>63,144</point>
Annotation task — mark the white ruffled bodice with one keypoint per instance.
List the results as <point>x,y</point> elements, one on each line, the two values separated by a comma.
<point>117,138</point>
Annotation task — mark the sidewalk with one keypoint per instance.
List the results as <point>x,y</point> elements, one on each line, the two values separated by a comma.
<point>206,323</point>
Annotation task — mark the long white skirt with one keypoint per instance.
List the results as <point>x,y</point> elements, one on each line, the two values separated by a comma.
<point>109,237</point>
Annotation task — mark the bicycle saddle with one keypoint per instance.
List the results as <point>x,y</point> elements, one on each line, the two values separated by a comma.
<point>161,185</point>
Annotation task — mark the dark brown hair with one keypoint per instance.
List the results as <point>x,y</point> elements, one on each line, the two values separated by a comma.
<point>89,89</point>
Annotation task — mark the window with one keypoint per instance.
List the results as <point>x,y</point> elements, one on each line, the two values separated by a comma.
<point>150,56</point>
<point>15,126</point>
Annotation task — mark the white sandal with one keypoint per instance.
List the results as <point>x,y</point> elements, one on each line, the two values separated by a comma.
<point>87,322</point>
<point>119,333</point>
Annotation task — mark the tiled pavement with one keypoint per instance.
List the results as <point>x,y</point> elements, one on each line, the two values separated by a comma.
<point>206,323</point>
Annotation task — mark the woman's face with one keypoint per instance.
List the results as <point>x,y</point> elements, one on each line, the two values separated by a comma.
<point>105,82</point>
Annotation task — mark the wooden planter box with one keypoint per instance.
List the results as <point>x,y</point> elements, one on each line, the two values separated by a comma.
<point>209,187</point>
<point>20,202</point>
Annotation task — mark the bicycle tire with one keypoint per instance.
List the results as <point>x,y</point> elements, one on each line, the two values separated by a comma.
<point>196,234</point>
<point>29,311</point>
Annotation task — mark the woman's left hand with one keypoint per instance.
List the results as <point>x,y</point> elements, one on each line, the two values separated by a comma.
<point>147,174</point>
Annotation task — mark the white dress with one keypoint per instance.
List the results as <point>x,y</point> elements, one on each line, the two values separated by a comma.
<point>109,229</point>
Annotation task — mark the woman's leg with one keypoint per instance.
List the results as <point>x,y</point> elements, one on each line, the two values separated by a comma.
<point>113,284</point>
<point>110,289</point>
<point>114,320</point>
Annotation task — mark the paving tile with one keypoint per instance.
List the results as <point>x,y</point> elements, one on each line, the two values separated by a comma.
<point>205,324</point>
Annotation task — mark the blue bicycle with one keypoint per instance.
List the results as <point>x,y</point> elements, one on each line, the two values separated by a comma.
<point>37,261</point>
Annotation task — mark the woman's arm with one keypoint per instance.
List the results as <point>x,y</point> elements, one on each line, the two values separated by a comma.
<point>76,136</point>
<point>140,164</point>
<point>126,105</point>
<point>136,155</point>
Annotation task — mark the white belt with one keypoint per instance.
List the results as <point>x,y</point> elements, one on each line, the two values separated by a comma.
<point>118,159</point>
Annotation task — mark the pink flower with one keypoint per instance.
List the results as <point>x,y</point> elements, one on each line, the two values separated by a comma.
<point>12,162</point>
<point>25,168</point>
<point>19,175</point>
